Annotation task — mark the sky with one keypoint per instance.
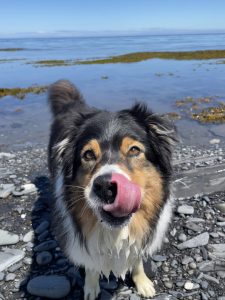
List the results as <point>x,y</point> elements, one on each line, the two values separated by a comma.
<point>96,17</point>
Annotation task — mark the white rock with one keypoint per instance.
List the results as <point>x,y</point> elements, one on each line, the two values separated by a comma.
<point>191,286</point>
<point>28,237</point>
<point>7,238</point>
<point>6,190</point>
<point>9,257</point>
<point>199,240</point>
<point>6,155</point>
<point>217,247</point>
<point>185,209</point>
<point>214,141</point>
<point>188,285</point>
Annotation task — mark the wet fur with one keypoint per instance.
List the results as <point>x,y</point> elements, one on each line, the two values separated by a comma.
<point>87,241</point>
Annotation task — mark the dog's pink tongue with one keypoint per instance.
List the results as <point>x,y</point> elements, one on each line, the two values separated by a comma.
<point>128,198</point>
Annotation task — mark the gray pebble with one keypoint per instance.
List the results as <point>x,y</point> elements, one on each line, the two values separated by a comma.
<point>134,297</point>
<point>204,285</point>
<point>44,258</point>
<point>52,286</point>
<point>10,277</point>
<point>159,258</point>
<point>168,284</point>
<point>28,237</point>
<point>185,209</point>
<point>2,276</point>
<point>15,267</point>
<point>199,240</point>
<point>182,237</point>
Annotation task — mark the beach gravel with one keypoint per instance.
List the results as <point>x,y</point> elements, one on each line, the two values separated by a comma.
<point>189,266</point>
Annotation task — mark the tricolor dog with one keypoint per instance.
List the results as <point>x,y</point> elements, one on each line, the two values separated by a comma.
<point>111,174</point>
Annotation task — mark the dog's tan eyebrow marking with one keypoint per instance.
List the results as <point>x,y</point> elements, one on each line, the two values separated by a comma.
<point>128,142</point>
<point>94,146</point>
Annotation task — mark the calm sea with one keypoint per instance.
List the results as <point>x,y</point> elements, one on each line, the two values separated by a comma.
<point>158,82</point>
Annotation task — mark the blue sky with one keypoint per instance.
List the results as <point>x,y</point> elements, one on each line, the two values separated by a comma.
<point>85,17</point>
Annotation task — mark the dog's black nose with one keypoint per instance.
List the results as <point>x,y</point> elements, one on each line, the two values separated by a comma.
<point>105,189</point>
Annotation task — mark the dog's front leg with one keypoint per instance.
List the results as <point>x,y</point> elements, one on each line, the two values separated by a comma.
<point>143,284</point>
<point>91,286</point>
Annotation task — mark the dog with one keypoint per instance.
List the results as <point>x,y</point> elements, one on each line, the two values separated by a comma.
<point>111,175</point>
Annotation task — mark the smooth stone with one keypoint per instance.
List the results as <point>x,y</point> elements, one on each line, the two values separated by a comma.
<point>8,238</point>
<point>221,298</point>
<point>27,188</point>
<point>189,286</point>
<point>186,260</point>
<point>185,209</point>
<point>42,227</point>
<point>194,227</point>
<point>211,266</point>
<point>199,240</point>
<point>111,285</point>
<point>28,237</point>
<point>221,274</point>
<point>15,267</point>
<point>164,297</point>
<point>134,297</point>
<point>214,141</point>
<point>211,278</point>
<point>2,276</point>
<point>44,258</point>
<point>168,284</point>
<point>49,286</point>
<point>9,257</point>
<point>159,258</point>
<point>6,190</point>
<point>47,245</point>
<point>43,236</point>
<point>182,237</point>
<point>6,155</point>
<point>105,295</point>
<point>217,247</point>
<point>10,277</point>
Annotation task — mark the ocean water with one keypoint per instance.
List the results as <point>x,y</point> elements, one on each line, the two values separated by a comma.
<point>157,82</point>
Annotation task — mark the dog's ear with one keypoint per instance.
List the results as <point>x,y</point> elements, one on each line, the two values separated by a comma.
<point>161,134</point>
<point>62,95</point>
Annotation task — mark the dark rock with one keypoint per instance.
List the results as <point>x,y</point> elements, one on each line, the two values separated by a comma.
<point>53,286</point>
<point>48,245</point>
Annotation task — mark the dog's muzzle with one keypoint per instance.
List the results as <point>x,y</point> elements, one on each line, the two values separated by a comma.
<point>118,195</point>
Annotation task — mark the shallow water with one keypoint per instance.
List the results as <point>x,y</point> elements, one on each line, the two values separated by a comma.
<point>158,82</point>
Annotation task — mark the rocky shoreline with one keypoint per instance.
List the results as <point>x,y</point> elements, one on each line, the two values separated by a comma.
<point>191,264</point>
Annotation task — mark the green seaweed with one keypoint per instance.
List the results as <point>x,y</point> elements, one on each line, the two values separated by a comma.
<point>213,114</point>
<point>11,49</point>
<point>21,92</point>
<point>10,60</point>
<point>136,57</point>
<point>141,56</point>
<point>172,116</point>
<point>53,63</point>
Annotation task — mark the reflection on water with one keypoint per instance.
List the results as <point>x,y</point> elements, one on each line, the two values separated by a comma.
<point>112,86</point>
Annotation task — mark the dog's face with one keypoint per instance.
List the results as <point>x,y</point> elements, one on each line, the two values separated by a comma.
<point>116,164</point>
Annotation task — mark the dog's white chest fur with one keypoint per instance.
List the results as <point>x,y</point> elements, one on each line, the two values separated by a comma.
<point>108,250</point>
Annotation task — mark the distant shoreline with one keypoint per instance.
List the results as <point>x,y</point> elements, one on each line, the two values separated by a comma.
<point>105,35</point>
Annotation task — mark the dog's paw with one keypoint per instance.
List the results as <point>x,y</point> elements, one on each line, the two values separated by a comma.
<point>144,285</point>
<point>91,287</point>
<point>91,293</point>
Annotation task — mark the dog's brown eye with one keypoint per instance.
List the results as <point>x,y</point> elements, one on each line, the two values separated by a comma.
<point>134,151</point>
<point>89,155</point>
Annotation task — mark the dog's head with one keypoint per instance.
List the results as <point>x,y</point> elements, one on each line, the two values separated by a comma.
<point>115,164</point>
